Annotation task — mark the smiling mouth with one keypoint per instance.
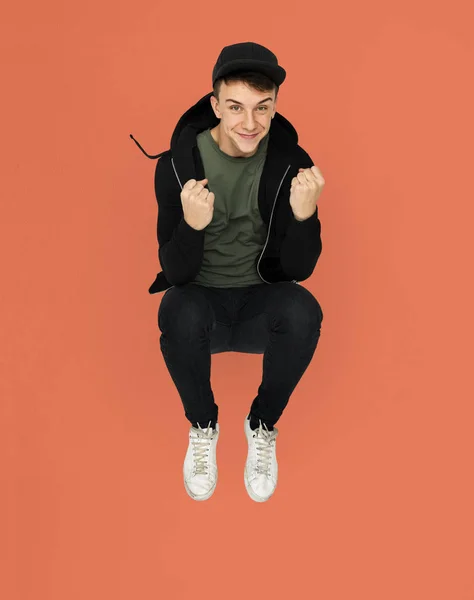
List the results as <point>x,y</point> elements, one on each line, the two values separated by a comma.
<point>248,136</point>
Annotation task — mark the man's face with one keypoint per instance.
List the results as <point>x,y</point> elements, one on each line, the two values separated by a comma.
<point>242,110</point>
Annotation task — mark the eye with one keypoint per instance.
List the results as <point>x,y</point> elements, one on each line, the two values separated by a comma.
<point>236,106</point>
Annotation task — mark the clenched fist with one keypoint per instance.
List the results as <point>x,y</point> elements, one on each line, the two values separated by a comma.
<point>198,204</point>
<point>306,188</point>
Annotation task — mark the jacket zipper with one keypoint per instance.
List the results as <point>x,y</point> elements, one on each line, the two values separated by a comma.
<point>269,225</point>
<point>176,173</point>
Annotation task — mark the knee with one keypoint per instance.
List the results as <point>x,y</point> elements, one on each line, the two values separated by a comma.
<point>302,311</point>
<point>184,314</point>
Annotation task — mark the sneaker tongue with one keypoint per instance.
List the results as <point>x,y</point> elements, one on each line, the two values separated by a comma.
<point>203,430</point>
<point>203,426</point>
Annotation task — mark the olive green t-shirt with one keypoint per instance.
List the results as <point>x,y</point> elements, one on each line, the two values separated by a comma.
<point>236,235</point>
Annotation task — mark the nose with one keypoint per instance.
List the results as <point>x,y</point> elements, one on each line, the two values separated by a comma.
<point>249,123</point>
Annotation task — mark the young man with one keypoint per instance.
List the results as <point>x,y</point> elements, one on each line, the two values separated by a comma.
<point>238,228</point>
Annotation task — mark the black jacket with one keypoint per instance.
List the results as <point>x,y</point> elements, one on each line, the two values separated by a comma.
<point>292,247</point>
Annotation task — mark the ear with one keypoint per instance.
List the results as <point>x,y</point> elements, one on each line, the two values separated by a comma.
<point>215,107</point>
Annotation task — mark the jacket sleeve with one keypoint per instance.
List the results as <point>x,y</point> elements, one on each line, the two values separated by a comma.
<point>180,246</point>
<point>302,244</point>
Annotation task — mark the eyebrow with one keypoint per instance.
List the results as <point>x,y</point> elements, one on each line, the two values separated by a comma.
<point>237,102</point>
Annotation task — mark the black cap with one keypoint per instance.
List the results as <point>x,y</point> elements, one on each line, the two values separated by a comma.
<point>248,56</point>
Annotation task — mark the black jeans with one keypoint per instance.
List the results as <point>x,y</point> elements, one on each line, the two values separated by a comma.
<point>281,320</point>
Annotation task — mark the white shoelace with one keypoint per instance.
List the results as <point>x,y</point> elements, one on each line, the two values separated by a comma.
<point>201,449</point>
<point>264,442</point>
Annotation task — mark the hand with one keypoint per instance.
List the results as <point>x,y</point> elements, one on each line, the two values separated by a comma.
<point>306,188</point>
<point>198,204</point>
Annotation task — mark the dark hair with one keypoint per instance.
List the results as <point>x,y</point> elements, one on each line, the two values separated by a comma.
<point>258,81</point>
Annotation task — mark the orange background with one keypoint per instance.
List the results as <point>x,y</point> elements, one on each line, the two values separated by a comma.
<point>375,494</point>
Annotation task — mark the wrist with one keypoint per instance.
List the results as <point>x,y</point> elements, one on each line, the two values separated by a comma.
<point>301,218</point>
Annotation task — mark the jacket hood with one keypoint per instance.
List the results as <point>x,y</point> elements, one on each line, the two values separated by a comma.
<point>201,116</point>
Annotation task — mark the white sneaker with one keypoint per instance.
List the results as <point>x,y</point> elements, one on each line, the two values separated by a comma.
<point>200,465</point>
<point>261,468</point>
